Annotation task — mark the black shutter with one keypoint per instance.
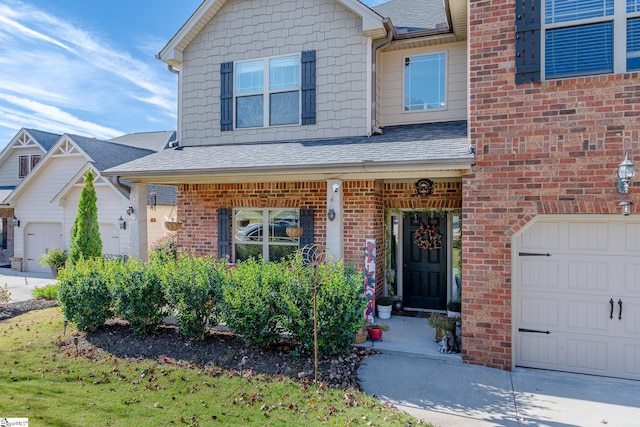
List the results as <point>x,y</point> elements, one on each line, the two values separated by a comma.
<point>528,52</point>
<point>306,222</point>
<point>226,96</point>
<point>308,62</point>
<point>224,233</point>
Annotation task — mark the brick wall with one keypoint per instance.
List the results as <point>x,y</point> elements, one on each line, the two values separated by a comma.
<point>6,254</point>
<point>542,148</point>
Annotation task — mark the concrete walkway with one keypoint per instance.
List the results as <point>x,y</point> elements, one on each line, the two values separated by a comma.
<point>449,393</point>
<point>21,285</point>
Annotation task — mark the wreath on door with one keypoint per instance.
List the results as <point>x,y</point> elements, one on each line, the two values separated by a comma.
<point>427,238</point>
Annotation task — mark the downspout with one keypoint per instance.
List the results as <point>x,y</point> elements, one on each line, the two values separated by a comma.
<point>115,180</point>
<point>176,71</point>
<point>391,31</point>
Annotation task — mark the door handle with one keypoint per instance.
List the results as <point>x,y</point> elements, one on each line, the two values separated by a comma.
<point>620,314</point>
<point>611,314</point>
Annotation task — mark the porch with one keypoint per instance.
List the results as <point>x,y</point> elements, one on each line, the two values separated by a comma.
<point>410,336</point>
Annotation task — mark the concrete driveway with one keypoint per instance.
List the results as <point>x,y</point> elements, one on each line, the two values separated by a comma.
<point>21,285</point>
<point>447,393</point>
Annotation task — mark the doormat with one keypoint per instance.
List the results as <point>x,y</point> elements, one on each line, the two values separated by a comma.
<point>411,313</point>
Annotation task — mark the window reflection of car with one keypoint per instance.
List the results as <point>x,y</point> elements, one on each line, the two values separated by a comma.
<point>253,232</point>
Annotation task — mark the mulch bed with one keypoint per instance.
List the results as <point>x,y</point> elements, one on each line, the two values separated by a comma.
<point>219,350</point>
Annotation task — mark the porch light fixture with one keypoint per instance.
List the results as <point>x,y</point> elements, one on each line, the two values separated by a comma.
<point>123,223</point>
<point>331,214</point>
<point>626,172</point>
<point>625,207</point>
<point>130,210</point>
<point>16,221</point>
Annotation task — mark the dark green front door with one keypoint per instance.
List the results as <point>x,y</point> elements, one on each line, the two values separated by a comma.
<point>425,268</point>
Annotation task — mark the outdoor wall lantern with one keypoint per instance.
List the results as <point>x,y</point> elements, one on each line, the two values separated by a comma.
<point>16,221</point>
<point>130,210</point>
<point>626,173</point>
<point>123,223</point>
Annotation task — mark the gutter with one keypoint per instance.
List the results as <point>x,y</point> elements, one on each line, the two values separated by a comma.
<point>391,32</point>
<point>115,180</point>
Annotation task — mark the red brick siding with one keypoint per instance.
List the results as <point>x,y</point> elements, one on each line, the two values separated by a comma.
<point>542,148</point>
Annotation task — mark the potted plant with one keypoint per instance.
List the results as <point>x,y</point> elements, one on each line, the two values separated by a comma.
<point>375,330</point>
<point>384,307</point>
<point>55,258</point>
<point>441,324</point>
<point>454,309</point>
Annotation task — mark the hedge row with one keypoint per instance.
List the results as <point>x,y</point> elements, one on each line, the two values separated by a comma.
<point>258,300</point>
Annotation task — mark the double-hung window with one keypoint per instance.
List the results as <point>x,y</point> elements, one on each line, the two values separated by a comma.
<point>425,82</point>
<point>588,37</point>
<point>262,233</point>
<point>26,164</point>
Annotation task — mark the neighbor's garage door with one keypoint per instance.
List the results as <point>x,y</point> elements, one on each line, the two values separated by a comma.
<point>40,237</point>
<point>577,296</point>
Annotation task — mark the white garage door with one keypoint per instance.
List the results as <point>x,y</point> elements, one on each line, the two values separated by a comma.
<point>577,296</point>
<point>39,238</point>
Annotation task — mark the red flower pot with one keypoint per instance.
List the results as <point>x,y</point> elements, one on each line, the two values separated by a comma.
<point>375,334</point>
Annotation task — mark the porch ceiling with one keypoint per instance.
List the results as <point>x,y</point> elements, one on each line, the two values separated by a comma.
<point>425,150</point>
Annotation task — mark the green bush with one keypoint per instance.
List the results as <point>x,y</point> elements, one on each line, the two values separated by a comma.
<point>340,306</point>
<point>165,248</point>
<point>46,292</point>
<point>85,235</point>
<point>84,295</point>
<point>192,291</point>
<point>251,300</point>
<point>56,257</point>
<point>137,294</point>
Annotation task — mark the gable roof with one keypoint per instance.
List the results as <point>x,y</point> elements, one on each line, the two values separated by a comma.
<point>104,154</point>
<point>372,26</point>
<point>414,15</point>
<point>417,148</point>
<point>45,139</point>
<point>154,141</point>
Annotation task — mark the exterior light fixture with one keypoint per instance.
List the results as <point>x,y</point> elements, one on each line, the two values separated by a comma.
<point>331,214</point>
<point>626,172</point>
<point>16,221</point>
<point>123,223</point>
<point>130,210</point>
<point>625,207</point>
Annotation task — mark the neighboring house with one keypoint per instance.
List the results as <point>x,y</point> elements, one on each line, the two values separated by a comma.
<point>45,202</point>
<point>17,159</point>
<point>328,114</point>
<point>554,104</point>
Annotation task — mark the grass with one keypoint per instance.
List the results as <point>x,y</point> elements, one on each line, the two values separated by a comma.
<point>43,379</point>
<point>49,291</point>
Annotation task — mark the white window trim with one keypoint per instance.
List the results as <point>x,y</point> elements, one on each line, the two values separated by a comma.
<point>446,82</point>
<point>619,19</point>
<point>265,237</point>
<point>29,158</point>
<point>266,92</point>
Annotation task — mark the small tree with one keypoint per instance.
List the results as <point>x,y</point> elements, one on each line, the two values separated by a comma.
<point>85,237</point>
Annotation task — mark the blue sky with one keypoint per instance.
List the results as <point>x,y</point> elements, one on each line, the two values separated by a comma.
<point>88,67</point>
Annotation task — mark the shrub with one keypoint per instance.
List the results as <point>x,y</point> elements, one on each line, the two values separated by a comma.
<point>340,306</point>
<point>192,290</point>
<point>165,248</point>
<point>83,293</point>
<point>5,295</point>
<point>251,300</point>
<point>85,235</point>
<point>56,257</point>
<point>49,291</point>
<point>137,295</point>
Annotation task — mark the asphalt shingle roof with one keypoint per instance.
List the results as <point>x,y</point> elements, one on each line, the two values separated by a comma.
<point>106,154</point>
<point>155,141</point>
<point>45,139</point>
<point>409,144</point>
<point>413,15</point>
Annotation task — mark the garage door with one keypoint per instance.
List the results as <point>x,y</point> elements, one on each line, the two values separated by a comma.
<point>40,237</point>
<point>577,296</point>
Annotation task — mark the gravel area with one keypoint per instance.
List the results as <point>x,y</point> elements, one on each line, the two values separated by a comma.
<point>7,311</point>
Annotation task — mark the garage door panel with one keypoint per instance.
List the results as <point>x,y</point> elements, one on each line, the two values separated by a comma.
<point>630,317</point>
<point>632,238</point>
<point>587,275</point>
<point>538,273</point>
<point>588,236</point>
<point>588,316</point>
<point>542,235</point>
<point>537,312</point>
<point>539,351</point>
<point>632,278</point>
<point>584,355</point>
<point>631,362</point>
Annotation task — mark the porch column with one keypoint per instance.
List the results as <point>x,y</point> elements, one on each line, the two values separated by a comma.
<point>335,242</point>
<point>138,222</point>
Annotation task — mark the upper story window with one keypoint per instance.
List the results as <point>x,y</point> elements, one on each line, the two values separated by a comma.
<point>27,163</point>
<point>268,92</point>
<point>589,37</point>
<point>425,82</point>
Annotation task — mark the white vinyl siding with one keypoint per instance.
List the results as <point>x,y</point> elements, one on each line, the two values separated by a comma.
<point>391,86</point>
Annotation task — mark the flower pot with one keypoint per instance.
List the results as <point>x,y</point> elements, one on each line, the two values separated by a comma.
<point>440,332</point>
<point>294,231</point>
<point>173,225</point>
<point>375,334</point>
<point>384,311</point>
<point>398,305</point>
<point>361,336</point>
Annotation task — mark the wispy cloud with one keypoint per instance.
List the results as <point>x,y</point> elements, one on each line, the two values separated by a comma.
<point>55,73</point>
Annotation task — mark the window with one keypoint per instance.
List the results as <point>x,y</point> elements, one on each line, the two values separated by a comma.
<point>263,233</point>
<point>268,92</point>
<point>26,164</point>
<point>580,36</point>
<point>3,233</point>
<point>424,82</point>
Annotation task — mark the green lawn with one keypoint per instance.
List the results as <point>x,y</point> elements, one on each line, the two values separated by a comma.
<point>50,385</point>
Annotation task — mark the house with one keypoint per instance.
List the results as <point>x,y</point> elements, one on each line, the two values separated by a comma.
<point>17,159</point>
<point>328,115</point>
<point>44,203</point>
<point>553,109</point>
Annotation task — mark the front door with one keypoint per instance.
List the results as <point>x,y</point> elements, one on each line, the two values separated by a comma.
<point>425,261</point>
